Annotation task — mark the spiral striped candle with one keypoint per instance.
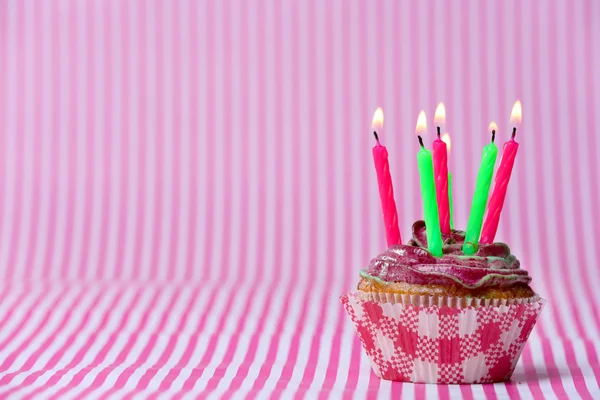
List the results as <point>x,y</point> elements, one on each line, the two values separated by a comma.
<point>509,153</point>
<point>386,192</point>
<point>480,197</point>
<point>386,188</point>
<point>490,226</point>
<point>440,171</point>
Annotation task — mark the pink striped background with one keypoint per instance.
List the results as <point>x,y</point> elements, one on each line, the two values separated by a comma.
<point>187,187</point>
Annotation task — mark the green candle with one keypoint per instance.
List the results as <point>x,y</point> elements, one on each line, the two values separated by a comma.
<point>480,197</point>
<point>430,207</point>
<point>450,201</point>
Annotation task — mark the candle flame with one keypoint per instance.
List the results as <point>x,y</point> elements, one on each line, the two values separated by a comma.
<point>516,114</point>
<point>421,123</point>
<point>493,127</point>
<point>440,115</point>
<point>377,119</point>
<point>446,139</point>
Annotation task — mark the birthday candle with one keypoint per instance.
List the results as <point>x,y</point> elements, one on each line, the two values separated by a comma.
<point>480,197</point>
<point>440,170</point>
<point>430,206</point>
<point>384,180</point>
<point>490,226</point>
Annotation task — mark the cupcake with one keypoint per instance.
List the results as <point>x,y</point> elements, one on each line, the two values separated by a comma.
<point>453,319</point>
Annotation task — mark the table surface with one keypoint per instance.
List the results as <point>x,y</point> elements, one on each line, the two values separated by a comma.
<point>186,188</point>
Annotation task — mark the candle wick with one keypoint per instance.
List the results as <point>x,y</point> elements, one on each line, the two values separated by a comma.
<point>438,132</point>
<point>376,136</point>
<point>493,135</point>
<point>514,133</point>
<point>421,141</point>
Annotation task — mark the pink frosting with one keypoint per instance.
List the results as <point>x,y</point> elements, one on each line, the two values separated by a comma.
<point>491,266</point>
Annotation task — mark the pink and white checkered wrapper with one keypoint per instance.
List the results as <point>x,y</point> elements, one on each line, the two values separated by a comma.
<point>442,339</point>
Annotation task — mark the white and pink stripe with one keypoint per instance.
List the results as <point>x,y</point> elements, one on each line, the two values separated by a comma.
<point>186,187</point>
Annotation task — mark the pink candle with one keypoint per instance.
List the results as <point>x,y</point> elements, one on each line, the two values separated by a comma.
<point>386,189</point>
<point>440,171</point>
<point>509,153</point>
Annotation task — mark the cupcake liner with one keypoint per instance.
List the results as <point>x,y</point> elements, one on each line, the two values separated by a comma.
<point>442,339</point>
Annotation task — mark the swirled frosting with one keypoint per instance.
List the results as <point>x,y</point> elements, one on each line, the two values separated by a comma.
<point>491,266</point>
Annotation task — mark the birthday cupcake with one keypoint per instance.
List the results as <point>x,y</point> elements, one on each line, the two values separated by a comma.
<point>451,319</point>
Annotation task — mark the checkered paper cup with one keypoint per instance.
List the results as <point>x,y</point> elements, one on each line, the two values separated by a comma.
<point>445,340</point>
